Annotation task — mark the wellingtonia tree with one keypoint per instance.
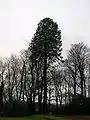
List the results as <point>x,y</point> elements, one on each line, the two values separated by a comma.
<point>46,47</point>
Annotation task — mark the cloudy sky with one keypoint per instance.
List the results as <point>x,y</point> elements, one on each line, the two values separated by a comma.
<point>19,19</point>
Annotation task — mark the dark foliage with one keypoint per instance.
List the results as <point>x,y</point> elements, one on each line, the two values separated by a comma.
<point>15,109</point>
<point>78,106</point>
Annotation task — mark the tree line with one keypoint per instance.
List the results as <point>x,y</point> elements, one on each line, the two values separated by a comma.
<point>41,75</point>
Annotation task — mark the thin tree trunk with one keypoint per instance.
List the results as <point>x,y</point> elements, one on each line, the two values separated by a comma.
<point>31,107</point>
<point>49,100</point>
<point>30,103</point>
<point>74,86</point>
<point>56,101</point>
<point>1,96</point>
<point>82,80</point>
<point>21,85</point>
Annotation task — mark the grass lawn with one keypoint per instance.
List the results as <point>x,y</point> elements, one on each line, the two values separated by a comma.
<point>43,117</point>
<point>36,117</point>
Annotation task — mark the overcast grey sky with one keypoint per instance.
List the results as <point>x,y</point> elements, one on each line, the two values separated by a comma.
<point>19,19</point>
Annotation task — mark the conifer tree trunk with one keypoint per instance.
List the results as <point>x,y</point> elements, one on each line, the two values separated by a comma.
<point>45,84</point>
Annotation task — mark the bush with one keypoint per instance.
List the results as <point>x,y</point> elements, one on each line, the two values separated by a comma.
<point>78,106</point>
<point>15,109</point>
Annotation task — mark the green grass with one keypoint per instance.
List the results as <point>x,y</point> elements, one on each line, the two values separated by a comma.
<point>36,117</point>
<point>47,118</point>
